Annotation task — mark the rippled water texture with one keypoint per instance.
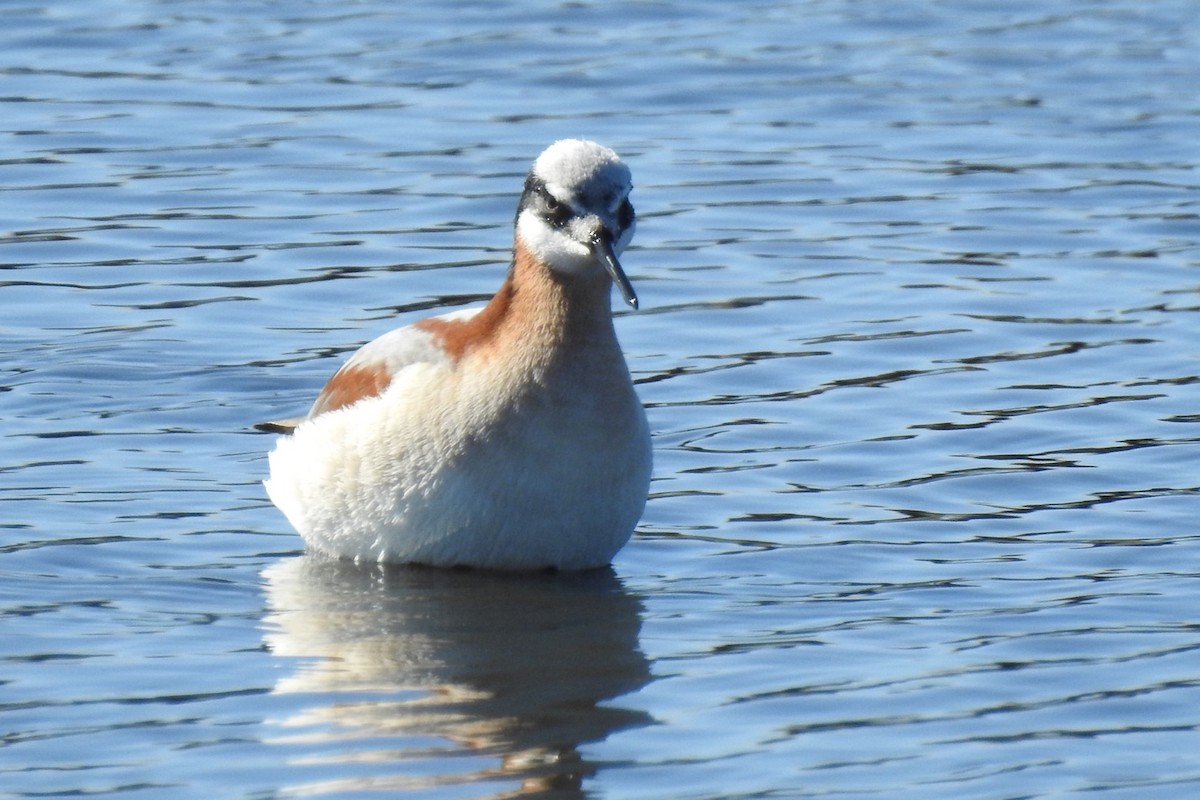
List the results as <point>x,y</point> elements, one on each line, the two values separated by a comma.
<point>921,304</point>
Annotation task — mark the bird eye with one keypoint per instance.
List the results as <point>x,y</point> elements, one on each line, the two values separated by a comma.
<point>557,213</point>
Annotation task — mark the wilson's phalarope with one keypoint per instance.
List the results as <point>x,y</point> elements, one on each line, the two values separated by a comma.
<point>505,437</point>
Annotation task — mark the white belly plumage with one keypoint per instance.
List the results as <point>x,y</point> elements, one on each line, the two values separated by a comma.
<point>504,485</point>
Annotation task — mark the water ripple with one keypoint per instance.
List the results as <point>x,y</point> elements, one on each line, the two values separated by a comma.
<point>917,347</point>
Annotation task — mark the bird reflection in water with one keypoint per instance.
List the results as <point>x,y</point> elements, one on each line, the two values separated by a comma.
<point>509,667</point>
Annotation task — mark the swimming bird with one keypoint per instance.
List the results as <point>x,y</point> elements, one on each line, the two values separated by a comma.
<point>502,437</point>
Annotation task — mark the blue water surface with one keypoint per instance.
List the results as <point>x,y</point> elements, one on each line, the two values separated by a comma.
<point>921,296</point>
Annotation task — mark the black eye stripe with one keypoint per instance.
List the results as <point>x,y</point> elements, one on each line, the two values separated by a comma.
<point>625,214</point>
<point>557,214</point>
<point>538,199</point>
<point>554,211</point>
